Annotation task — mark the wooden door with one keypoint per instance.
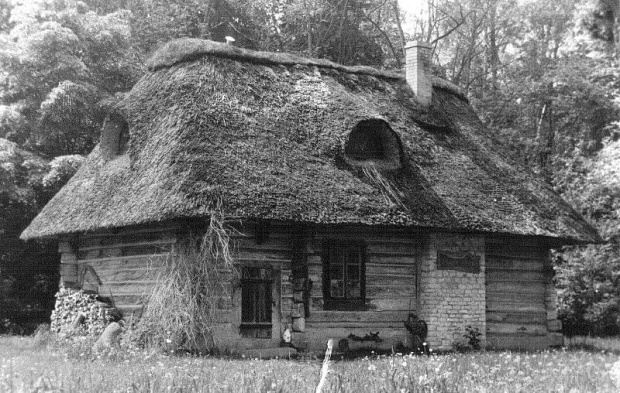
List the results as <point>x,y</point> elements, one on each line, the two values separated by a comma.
<point>256,302</point>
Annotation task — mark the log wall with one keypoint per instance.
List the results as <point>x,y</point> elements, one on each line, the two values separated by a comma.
<point>446,279</point>
<point>121,265</point>
<point>391,287</point>
<point>520,296</point>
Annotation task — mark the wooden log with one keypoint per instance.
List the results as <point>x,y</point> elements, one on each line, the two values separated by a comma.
<point>111,252</point>
<point>391,260</point>
<point>357,316</point>
<point>554,325</point>
<point>136,261</point>
<point>127,275</point>
<point>69,270</point>
<point>129,288</point>
<point>286,289</point>
<point>515,304</point>
<point>517,329</point>
<point>390,282</point>
<point>516,288</point>
<point>511,317</point>
<point>273,244</point>
<point>399,249</point>
<point>552,313</point>
<point>68,258</point>
<point>390,304</point>
<point>122,243</point>
<point>527,276</point>
<point>252,255</point>
<point>508,264</point>
<point>297,311</point>
<point>393,292</point>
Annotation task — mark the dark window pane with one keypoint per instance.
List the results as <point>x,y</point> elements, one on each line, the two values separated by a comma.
<point>336,272</point>
<point>353,272</point>
<point>255,297</point>
<point>354,289</point>
<point>337,288</point>
<point>343,266</point>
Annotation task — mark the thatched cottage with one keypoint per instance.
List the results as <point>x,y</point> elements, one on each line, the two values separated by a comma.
<point>360,196</point>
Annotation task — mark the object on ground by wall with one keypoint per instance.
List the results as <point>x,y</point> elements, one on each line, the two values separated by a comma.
<point>369,337</point>
<point>418,330</point>
<point>110,335</point>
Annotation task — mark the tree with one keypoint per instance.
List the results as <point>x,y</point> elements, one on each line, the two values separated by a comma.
<point>603,21</point>
<point>61,66</point>
<point>588,278</point>
<point>28,273</point>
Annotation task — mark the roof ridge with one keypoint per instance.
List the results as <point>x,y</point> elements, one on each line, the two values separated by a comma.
<point>188,49</point>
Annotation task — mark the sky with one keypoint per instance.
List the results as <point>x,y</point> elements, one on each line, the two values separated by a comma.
<point>411,7</point>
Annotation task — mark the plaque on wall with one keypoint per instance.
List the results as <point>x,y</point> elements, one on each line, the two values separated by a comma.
<point>467,263</point>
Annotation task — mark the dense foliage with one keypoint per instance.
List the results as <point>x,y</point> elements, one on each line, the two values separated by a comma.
<point>543,75</point>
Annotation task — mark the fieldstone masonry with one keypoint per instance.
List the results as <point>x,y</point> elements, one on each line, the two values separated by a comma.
<point>450,300</point>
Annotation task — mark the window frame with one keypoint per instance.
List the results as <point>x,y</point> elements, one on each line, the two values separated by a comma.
<point>331,250</point>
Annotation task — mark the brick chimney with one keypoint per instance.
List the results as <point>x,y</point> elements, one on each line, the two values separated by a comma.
<point>418,70</point>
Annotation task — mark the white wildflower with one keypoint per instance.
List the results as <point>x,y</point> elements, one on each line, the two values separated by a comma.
<point>614,373</point>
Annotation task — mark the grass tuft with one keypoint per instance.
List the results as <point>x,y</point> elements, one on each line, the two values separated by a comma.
<point>191,290</point>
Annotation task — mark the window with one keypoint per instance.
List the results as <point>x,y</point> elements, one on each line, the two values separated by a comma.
<point>123,139</point>
<point>114,136</point>
<point>373,142</point>
<point>256,302</point>
<point>344,283</point>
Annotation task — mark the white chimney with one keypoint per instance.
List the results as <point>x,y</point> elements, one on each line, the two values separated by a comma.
<point>418,70</point>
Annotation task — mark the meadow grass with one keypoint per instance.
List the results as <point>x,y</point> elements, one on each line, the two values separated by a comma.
<point>31,365</point>
<point>611,344</point>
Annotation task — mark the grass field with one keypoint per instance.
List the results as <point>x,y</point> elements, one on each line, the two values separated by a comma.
<point>29,365</point>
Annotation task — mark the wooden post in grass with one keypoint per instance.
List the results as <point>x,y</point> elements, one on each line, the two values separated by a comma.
<point>324,369</point>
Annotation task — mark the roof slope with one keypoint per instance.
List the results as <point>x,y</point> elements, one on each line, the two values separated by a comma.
<point>265,134</point>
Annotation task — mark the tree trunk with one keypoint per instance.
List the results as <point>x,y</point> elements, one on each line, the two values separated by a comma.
<point>399,26</point>
<point>493,53</point>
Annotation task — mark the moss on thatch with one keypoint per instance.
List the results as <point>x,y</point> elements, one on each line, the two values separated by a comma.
<point>267,138</point>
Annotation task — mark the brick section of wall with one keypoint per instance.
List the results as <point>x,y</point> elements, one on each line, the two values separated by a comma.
<point>450,300</point>
<point>417,70</point>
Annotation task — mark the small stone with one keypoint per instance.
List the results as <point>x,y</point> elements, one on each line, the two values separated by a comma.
<point>109,336</point>
<point>299,324</point>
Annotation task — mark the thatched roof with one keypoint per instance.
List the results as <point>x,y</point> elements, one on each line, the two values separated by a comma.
<point>267,134</point>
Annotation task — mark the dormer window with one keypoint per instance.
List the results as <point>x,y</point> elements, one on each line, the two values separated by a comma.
<point>115,136</point>
<point>372,142</point>
<point>123,139</point>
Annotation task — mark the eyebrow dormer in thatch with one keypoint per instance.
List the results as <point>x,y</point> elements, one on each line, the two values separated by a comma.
<point>322,164</point>
<point>372,142</point>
